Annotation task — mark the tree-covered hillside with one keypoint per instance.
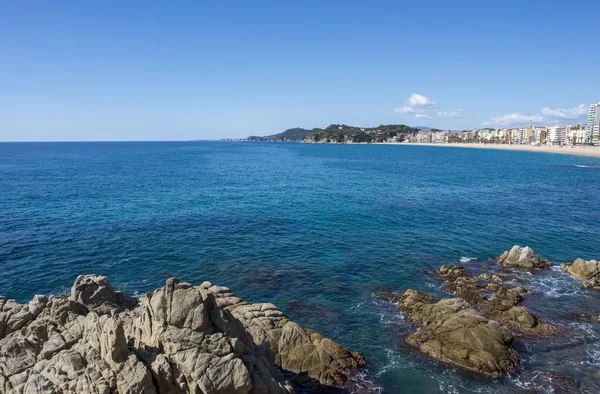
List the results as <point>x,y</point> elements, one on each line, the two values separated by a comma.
<point>340,133</point>
<point>295,134</point>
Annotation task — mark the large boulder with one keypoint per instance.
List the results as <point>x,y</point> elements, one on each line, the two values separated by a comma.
<point>586,270</point>
<point>179,339</point>
<point>453,332</point>
<point>519,257</point>
<point>95,293</point>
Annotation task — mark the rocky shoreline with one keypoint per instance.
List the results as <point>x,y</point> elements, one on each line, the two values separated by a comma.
<point>203,339</point>
<point>178,339</point>
<point>475,329</point>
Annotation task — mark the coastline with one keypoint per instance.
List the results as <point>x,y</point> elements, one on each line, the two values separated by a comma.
<point>590,151</point>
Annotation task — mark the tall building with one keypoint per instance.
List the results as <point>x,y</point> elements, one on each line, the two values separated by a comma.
<point>556,135</point>
<point>593,124</point>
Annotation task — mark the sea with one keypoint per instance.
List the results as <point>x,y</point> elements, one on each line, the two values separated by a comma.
<point>317,230</point>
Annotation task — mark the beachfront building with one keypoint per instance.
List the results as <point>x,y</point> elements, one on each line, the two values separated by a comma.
<point>438,137</point>
<point>575,135</point>
<point>424,137</point>
<point>514,136</point>
<point>526,135</point>
<point>539,135</point>
<point>592,129</point>
<point>555,135</point>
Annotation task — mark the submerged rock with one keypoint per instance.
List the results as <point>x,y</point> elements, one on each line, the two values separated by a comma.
<point>585,270</point>
<point>519,257</point>
<point>453,332</point>
<point>179,339</point>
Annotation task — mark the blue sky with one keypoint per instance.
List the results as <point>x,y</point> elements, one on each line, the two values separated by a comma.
<point>142,70</point>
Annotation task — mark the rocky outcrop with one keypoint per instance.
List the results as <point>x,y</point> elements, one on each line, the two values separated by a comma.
<point>453,332</point>
<point>179,339</point>
<point>519,257</point>
<point>499,302</point>
<point>585,270</point>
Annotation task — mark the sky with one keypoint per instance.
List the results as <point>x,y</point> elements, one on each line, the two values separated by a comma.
<point>151,70</point>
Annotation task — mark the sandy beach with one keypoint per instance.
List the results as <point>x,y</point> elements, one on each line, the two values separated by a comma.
<point>568,150</point>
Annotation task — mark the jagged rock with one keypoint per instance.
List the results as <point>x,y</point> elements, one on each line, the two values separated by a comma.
<point>453,332</point>
<point>502,306</point>
<point>448,272</point>
<point>179,339</point>
<point>585,270</point>
<point>519,257</point>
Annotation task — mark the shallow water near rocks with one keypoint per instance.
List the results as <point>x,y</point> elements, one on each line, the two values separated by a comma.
<point>315,229</point>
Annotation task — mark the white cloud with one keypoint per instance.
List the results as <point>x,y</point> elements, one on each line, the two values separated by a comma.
<point>546,115</point>
<point>416,104</point>
<point>512,119</point>
<point>566,113</point>
<point>404,110</point>
<point>417,100</point>
<point>459,113</point>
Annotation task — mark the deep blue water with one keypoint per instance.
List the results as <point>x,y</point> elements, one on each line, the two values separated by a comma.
<point>314,229</point>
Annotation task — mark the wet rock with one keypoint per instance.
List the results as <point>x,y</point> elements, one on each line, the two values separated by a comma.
<point>471,289</point>
<point>519,257</point>
<point>453,332</point>
<point>585,270</point>
<point>388,295</point>
<point>448,272</point>
<point>485,276</point>
<point>502,306</point>
<point>587,316</point>
<point>499,278</point>
<point>179,339</point>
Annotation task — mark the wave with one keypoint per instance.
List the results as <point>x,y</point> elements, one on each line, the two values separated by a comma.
<point>584,166</point>
<point>553,284</point>
<point>467,259</point>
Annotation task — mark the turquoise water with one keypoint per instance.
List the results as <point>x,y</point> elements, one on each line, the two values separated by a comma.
<point>315,229</point>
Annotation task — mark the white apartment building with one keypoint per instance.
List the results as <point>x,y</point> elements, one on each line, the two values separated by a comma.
<point>575,135</point>
<point>438,137</point>
<point>556,135</point>
<point>592,129</point>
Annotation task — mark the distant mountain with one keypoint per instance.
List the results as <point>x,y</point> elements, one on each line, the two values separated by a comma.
<point>295,134</point>
<point>423,127</point>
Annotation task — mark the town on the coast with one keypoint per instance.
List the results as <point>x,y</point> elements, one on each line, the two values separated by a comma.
<point>580,134</point>
<point>575,134</point>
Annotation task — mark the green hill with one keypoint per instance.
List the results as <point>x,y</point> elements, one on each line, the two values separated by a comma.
<point>340,134</point>
<point>295,134</point>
